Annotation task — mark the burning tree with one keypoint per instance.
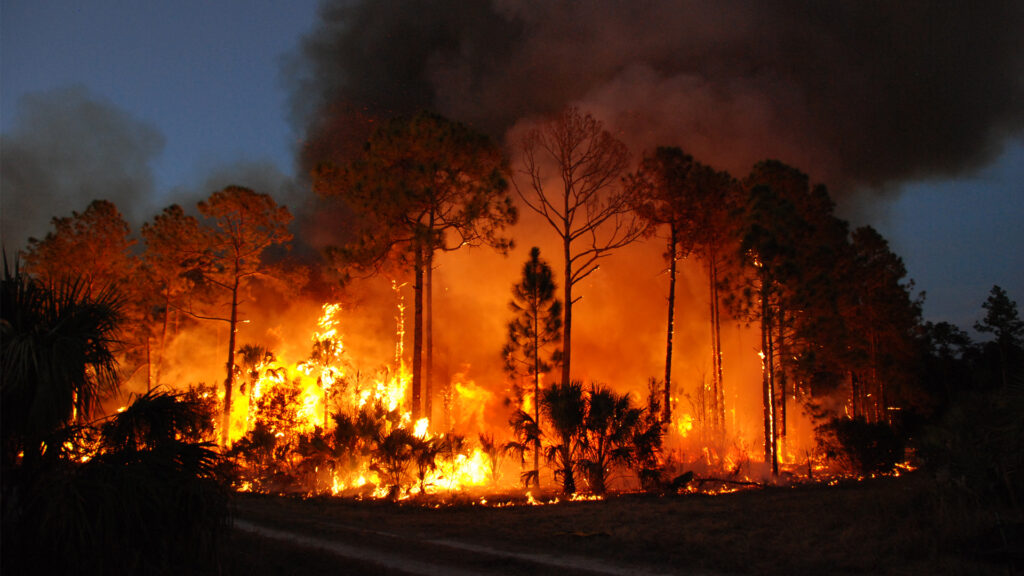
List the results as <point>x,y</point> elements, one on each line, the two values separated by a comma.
<point>173,248</point>
<point>663,195</point>
<point>93,246</point>
<point>588,209</point>
<point>538,324</point>
<point>246,224</point>
<point>422,185</point>
<point>881,316</point>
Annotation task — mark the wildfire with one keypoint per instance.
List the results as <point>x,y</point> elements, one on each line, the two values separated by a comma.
<point>352,435</point>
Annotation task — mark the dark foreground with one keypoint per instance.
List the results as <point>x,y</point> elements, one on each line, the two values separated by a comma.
<point>885,526</point>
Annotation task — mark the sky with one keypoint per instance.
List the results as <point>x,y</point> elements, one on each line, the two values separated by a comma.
<point>149,99</point>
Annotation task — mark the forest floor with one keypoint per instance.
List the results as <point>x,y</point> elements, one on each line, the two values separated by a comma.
<point>881,526</point>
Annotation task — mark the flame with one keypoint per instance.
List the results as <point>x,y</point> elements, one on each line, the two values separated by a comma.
<point>684,424</point>
<point>293,403</point>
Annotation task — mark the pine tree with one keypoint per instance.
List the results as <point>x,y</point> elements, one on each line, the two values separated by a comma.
<point>536,326</point>
<point>1001,320</point>
<point>422,185</point>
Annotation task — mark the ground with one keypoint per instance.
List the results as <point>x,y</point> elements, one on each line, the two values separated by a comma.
<point>882,526</point>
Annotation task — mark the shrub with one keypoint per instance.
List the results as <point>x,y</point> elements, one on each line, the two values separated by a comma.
<point>862,447</point>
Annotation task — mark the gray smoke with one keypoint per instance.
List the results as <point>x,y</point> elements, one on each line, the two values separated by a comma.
<point>67,148</point>
<point>858,93</point>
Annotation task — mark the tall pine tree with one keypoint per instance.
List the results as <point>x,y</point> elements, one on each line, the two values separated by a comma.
<point>536,326</point>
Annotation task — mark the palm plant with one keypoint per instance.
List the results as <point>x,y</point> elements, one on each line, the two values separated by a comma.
<point>494,452</point>
<point>451,446</point>
<point>149,501</point>
<point>647,441</point>
<point>254,359</point>
<point>426,451</point>
<point>57,345</point>
<point>391,458</point>
<point>527,437</point>
<point>565,408</point>
<point>608,431</point>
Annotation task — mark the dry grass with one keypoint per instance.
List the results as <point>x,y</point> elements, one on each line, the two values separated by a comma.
<point>884,526</point>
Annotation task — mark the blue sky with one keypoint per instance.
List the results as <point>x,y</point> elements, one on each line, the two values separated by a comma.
<point>208,76</point>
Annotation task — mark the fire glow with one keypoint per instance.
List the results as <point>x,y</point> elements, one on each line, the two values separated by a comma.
<point>296,402</point>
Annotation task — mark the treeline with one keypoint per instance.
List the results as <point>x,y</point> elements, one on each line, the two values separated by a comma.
<point>841,331</point>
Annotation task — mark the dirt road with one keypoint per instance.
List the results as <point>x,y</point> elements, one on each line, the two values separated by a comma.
<point>426,556</point>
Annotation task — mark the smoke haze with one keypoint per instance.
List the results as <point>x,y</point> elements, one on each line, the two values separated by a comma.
<point>67,149</point>
<point>856,93</point>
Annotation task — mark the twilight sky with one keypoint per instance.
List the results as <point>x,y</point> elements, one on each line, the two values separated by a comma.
<point>148,102</point>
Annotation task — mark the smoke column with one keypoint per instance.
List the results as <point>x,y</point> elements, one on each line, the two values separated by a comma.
<point>859,94</point>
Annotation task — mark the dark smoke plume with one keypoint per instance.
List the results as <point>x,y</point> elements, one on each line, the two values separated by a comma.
<point>858,93</point>
<point>67,148</point>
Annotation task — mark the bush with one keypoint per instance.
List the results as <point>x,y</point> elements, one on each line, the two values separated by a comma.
<point>148,502</point>
<point>862,447</point>
<point>977,447</point>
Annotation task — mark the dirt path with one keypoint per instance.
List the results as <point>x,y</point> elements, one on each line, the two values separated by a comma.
<point>440,557</point>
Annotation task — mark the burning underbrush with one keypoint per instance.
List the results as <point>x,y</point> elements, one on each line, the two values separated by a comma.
<point>322,426</point>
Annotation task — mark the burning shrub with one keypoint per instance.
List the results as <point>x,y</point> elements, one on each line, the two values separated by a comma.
<point>860,446</point>
<point>392,457</point>
<point>261,460</point>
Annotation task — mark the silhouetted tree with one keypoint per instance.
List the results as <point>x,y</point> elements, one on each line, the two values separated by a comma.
<point>879,309</point>
<point>58,358</point>
<point>174,249</point>
<point>767,256</point>
<point>422,184</point>
<point>148,501</point>
<point>1002,321</point>
<point>565,411</point>
<point>255,359</point>
<point>588,209</point>
<point>717,198</point>
<point>537,325</point>
<point>609,430</point>
<point>246,223</point>
<point>663,195</point>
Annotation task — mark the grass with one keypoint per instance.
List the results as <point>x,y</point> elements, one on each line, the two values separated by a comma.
<point>882,526</point>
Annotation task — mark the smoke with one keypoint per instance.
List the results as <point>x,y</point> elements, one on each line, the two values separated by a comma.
<point>65,149</point>
<point>860,94</point>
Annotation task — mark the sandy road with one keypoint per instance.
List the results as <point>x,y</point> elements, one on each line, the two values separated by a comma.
<point>426,556</point>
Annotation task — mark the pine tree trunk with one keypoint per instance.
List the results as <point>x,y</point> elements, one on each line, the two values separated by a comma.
<point>163,336</point>
<point>716,347</point>
<point>536,384</point>
<point>854,393</point>
<point>782,374</point>
<point>417,334</point>
<point>772,394</point>
<point>768,377</point>
<point>567,317</point>
<point>671,322</point>
<point>428,381</point>
<point>229,381</point>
